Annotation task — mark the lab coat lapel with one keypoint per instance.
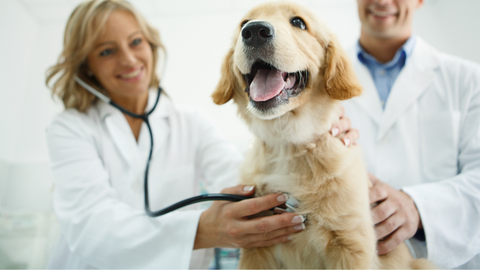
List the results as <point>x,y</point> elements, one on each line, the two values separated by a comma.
<point>136,154</point>
<point>123,137</point>
<point>411,83</point>
<point>369,100</point>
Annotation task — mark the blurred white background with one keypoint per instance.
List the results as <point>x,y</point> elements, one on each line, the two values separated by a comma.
<point>197,34</point>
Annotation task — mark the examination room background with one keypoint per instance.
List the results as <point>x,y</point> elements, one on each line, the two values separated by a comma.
<point>197,35</point>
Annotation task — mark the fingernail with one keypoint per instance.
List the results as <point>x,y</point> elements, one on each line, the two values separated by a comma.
<point>299,227</point>
<point>346,141</point>
<point>334,131</point>
<point>248,188</point>
<point>290,237</point>
<point>298,219</point>
<point>282,198</point>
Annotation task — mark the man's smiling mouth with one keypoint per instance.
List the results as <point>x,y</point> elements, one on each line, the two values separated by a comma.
<point>381,12</point>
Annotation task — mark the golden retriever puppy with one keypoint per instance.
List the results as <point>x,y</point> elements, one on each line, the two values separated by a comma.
<point>287,74</point>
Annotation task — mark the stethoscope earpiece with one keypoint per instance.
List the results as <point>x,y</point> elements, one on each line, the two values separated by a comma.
<point>90,89</point>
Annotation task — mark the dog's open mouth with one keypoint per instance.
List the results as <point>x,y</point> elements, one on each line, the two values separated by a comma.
<point>268,87</point>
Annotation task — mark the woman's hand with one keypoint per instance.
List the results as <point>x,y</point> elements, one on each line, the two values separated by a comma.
<point>342,128</point>
<point>395,216</point>
<point>227,224</point>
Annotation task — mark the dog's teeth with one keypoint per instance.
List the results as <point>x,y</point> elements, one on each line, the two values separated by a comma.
<point>290,82</point>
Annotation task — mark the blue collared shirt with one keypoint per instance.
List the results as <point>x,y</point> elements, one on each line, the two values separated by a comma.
<point>384,74</point>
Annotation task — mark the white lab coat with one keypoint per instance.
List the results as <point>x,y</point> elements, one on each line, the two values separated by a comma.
<point>98,170</point>
<point>427,143</point>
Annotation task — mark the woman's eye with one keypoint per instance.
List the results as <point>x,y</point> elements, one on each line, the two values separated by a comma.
<point>136,41</point>
<point>298,22</point>
<point>106,52</point>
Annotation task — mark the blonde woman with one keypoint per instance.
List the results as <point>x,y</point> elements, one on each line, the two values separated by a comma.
<point>99,154</point>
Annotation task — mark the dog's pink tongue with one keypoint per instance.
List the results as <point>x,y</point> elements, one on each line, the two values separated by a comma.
<point>266,84</point>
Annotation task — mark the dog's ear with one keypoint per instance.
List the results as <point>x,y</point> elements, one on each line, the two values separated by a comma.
<point>340,79</point>
<point>226,86</point>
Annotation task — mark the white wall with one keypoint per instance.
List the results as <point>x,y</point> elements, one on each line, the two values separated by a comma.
<point>197,34</point>
<point>451,26</point>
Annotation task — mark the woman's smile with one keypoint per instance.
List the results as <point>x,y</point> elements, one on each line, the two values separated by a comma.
<point>132,75</point>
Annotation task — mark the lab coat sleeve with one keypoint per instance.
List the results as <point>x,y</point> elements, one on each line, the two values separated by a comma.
<point>450,209</point>
<point>104,231</point>
<point>217,158</point>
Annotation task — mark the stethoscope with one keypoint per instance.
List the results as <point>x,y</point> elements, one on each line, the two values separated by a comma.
<point>144,117</point>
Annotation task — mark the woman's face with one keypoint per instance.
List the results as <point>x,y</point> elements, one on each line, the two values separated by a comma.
<point>121,58</point>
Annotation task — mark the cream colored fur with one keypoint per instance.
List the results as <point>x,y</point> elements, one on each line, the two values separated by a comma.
<point>295,153</point>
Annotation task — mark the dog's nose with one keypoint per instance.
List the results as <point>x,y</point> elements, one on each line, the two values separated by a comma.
<point>256,34</point>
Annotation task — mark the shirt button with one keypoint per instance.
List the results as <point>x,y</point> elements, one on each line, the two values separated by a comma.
<point>382,72</point>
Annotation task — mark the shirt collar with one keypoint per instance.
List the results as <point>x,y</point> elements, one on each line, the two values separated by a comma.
<point>406,51</point>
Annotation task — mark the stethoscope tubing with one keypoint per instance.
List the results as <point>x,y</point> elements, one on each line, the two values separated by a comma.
<point>144,117</point>
<point>198,199</point>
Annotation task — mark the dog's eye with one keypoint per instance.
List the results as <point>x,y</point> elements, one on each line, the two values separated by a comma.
<point>243,23</point>
<point>298,22</point>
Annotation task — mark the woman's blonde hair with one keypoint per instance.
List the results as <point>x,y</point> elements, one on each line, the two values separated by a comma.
<point>83,28</point>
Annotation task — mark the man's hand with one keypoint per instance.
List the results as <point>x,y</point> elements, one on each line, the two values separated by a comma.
<point>342,129</point>
<point>395,216</point>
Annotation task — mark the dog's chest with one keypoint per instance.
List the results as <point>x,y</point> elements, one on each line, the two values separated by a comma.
<point>275,182</point>
<point>276,171</point>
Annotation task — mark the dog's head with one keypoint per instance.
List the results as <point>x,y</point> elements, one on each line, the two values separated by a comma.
<point>283,59</point>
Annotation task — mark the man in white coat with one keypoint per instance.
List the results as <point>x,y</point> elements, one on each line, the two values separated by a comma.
<point>419,120</point>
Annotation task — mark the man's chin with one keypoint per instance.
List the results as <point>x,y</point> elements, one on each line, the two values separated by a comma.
<point>383,31</point>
